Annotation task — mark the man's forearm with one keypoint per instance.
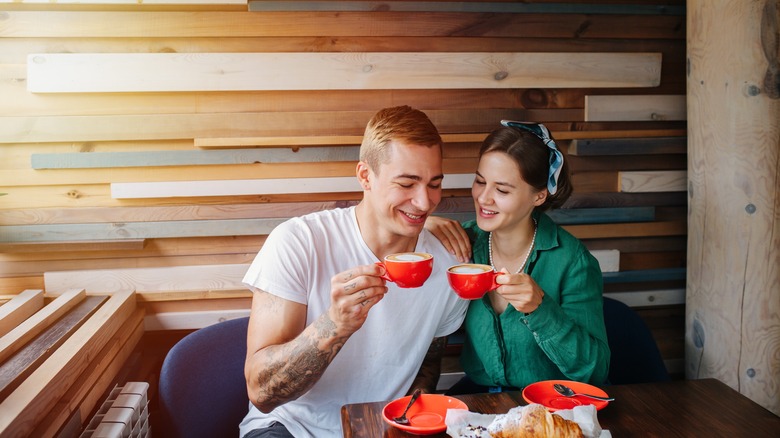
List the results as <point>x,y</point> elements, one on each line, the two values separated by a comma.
<point>284,372</point>
<point>428,376</point>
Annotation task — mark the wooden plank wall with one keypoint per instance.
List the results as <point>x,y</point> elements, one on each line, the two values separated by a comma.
<point>129,175</point>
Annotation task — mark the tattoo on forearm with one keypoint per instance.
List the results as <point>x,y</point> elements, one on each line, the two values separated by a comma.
<point>296,367</point>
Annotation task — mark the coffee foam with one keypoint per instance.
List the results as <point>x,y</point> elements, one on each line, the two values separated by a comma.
<point>468,269</point>
<point>407,257</point>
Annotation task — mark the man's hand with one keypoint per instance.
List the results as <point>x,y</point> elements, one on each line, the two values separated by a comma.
<point>353,293</point>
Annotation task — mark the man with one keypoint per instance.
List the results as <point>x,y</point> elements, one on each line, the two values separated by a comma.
<point>325,328</point>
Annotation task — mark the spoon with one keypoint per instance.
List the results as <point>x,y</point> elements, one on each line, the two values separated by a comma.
<point>402,419</point>
<point>568,392</point>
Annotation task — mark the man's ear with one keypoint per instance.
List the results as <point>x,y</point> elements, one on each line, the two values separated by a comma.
<point>363,172</point>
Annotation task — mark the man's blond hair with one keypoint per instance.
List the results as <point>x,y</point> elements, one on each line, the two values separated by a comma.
<point>401,123</point>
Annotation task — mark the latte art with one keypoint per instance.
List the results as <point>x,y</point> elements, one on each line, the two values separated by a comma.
<point>407,257</point>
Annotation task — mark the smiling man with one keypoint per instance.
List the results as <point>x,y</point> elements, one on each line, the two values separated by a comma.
<point>325,328</point>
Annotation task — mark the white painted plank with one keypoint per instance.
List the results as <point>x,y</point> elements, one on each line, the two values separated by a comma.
<point>653,181</point>
<point>660,297</point>
<point>166,279</point>
<point>174,189</point>
<point>609,259</point>
<point>170,72</point>
<point>633,108</point>
<point>190,320</point>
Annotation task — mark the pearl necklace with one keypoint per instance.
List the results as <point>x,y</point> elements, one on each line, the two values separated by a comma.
<point>527,254</point>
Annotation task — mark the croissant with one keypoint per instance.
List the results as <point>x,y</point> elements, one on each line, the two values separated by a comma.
<point>533,421</point>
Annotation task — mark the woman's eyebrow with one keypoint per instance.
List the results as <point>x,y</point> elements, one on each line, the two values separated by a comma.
<point>498,183</point>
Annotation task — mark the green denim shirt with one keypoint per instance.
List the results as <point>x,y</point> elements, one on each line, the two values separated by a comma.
<point>564,338</point>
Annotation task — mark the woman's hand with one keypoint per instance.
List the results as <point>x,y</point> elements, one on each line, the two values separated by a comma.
<point>520,290</point>
<point>451,235</point>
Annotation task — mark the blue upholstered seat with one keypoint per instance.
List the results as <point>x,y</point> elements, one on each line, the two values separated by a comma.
<point>635,357</point>
<point>202,391</point>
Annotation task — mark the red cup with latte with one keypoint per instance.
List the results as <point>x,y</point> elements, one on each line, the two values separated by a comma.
<point>407,269</point>
<point>471,281</point>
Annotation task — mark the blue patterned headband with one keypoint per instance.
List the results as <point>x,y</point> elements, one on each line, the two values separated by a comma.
<point>556,157</point>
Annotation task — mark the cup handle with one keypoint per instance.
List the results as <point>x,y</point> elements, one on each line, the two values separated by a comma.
<point>493,284</point>
<point>384,274</point>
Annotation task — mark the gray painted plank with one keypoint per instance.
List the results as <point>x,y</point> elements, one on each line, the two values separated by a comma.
<point>243,227</point>
<point>84,160</point>
<point>435,6</point>
<point>629,146</point>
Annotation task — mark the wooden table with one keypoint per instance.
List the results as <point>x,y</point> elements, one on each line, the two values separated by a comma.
<point>691,408</point>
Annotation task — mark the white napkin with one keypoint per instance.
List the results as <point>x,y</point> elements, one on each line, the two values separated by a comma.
<point>466,424</point>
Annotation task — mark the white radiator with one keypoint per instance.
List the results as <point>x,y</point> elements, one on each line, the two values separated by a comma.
<point>124,414</point>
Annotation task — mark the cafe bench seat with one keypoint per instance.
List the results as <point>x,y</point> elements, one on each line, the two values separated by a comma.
<point>202,391</point>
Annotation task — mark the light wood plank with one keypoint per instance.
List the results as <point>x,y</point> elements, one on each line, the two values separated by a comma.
<point>310,140</point>
<point>27,360</point>
<point>19,308</point>
<point>139,230</point>
<point>37,395</point>
<point>627,230</point>
<point>145,2</point>
<point>159,127</point>
<point>245,124</point>
<point>314,140</point>
<point>72,234</point>
<point>624,146</point>
<point>210,277</point>
<point>192,295</point>
<point>120,262</point>
<point>461,6</point>
<point>192,158</point>
<point>177,306</point>
<point>654,181</point>
<point>90,388</point>
<point>84,245</point>
<point>190,320</point>
<point>10,286</point>
<point>172,72</point>
<point>626,108</point>
<point>256,187</point>
<point>31,327</point>
<point>92,24</point>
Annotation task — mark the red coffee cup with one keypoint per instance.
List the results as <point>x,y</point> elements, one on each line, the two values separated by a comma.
<point>407,269</point>
<point>471,281</point>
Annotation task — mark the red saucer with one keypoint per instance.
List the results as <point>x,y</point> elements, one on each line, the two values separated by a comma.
<point>544,394</point>
<point>426,416</point>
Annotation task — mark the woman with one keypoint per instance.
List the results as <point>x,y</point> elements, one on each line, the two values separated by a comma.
<point>545,320</point>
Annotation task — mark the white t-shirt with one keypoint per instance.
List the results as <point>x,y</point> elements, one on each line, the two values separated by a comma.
<point>379,361</point>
